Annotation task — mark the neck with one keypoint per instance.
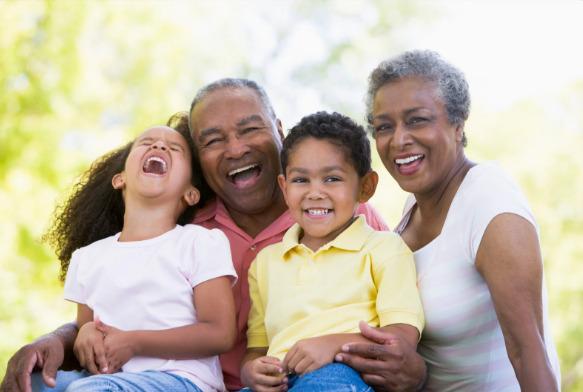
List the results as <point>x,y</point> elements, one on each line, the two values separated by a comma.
<point>255,223</point>
<point>143,223</point>
<point>435,203</point>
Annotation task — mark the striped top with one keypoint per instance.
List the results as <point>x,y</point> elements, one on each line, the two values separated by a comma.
<point>462,343</point>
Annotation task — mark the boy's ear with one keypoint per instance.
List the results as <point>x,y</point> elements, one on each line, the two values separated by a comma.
<point>368,186</point>
<point>118,181</point>
<point>191,196</point>
<point>282,186</point>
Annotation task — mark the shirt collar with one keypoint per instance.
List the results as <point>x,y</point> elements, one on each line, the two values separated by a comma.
<point>352,238</point>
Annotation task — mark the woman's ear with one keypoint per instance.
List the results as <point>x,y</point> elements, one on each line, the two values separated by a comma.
<point>191,196</point>
<point>368,186</point>
<point>118,181</point>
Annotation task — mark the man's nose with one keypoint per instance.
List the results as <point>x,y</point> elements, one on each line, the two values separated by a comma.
<point>236,148</point>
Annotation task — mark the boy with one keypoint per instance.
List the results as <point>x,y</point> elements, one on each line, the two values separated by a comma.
<point>331,269</point>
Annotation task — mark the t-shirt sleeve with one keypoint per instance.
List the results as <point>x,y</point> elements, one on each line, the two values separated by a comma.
<point>74,288</point>
<point>211,257</point>
<point>492,193</point>
<point>372,217</point>
<point>398,299</point>
<point>256,332</point>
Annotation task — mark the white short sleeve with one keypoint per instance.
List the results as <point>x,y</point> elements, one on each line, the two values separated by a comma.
<point>209,256</point>
<point>496,194</point>
<point>73,287</point>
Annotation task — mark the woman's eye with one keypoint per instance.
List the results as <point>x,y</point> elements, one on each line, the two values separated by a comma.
<point>383,128</point>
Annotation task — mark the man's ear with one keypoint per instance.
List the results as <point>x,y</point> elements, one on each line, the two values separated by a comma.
<point>368,186</point>
<point>191,196</point>
<point>118,181</point>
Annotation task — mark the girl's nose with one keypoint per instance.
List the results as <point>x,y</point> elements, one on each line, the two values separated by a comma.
<point>159,144</point>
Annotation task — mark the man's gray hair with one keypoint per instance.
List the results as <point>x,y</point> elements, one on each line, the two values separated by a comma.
<point>428,65</point>
<point>234,83</point>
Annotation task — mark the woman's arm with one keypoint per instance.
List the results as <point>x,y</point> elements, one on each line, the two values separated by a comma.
<point>212,334</point>
<point>509,259</point>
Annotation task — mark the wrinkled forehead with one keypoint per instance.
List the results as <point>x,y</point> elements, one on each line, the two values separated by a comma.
<point>227,106</point>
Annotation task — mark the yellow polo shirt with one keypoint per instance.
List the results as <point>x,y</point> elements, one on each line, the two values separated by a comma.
<point>363,274</point>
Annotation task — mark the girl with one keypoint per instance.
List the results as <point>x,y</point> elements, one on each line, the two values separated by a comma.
<point>160,293</point>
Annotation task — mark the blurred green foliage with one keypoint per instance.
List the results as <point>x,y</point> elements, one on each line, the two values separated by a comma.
<point>79,78</point>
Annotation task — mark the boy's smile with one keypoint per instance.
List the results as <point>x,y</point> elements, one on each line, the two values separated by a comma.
<point>322,190</point>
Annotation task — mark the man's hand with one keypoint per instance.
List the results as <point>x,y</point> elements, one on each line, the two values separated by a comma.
<point>264,374</point>
<point>390,364</point>
<point>46,353</point>
<point>89,349</point>
<point>307,355</point>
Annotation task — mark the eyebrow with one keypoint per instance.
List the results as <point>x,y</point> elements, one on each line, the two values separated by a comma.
<point>325,169</point>
<point>248,119</point>
<point>407,112</point>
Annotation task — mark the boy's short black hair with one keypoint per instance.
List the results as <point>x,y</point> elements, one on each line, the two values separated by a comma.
<point>336,128</point>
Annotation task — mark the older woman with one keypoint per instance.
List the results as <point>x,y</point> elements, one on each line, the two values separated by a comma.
<point>475,243</point>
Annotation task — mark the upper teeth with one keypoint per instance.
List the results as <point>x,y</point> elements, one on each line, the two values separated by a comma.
<point>157,159</point>
<point>319,211</point>
<point>403,161</point>
<point>242,169</point>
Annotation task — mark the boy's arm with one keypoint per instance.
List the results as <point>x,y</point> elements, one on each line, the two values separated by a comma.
<point>313,353</point>
<point>212,334</point>
<point>48,353</point>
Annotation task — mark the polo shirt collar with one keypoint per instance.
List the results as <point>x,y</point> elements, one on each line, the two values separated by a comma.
<point>217,210</point>
<point>352,238</point>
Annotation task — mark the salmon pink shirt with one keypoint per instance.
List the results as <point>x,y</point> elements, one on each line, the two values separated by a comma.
<point>244,249</point>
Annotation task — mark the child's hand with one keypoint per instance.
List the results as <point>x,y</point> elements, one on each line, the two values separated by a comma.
<point>119,345</point>
<point>311,354</point>
<point>89,349</point>
<point>264,374</point>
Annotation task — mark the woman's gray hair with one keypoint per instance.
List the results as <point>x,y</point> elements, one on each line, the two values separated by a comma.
<point>428,65</point>
<point>234,83</point>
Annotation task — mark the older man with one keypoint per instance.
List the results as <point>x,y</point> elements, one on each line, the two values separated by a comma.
<point>239,138</point>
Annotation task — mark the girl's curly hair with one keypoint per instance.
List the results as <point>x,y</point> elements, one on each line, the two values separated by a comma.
<point>94,209</point>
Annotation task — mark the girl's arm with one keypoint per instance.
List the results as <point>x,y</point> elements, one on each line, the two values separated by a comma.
<point>89,344</point>
<point>213,333</point>
<point>509,259</point>
<point>262,373</point>
<point>313,353</point>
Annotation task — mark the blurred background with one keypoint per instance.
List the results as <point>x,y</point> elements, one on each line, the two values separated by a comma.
<point>78,78</point>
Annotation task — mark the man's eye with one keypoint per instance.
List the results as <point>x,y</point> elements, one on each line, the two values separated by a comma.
<point>212,141</point>
<point>249,130</point>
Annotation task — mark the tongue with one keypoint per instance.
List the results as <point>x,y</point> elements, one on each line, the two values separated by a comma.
<point>154,167</point>
<point>246,178</point>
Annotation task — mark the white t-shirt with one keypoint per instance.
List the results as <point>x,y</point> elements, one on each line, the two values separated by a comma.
<point>147,285</point>
<point>462,342</point>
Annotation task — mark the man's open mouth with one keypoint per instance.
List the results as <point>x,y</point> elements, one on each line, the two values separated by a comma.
<point>244,175</point>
